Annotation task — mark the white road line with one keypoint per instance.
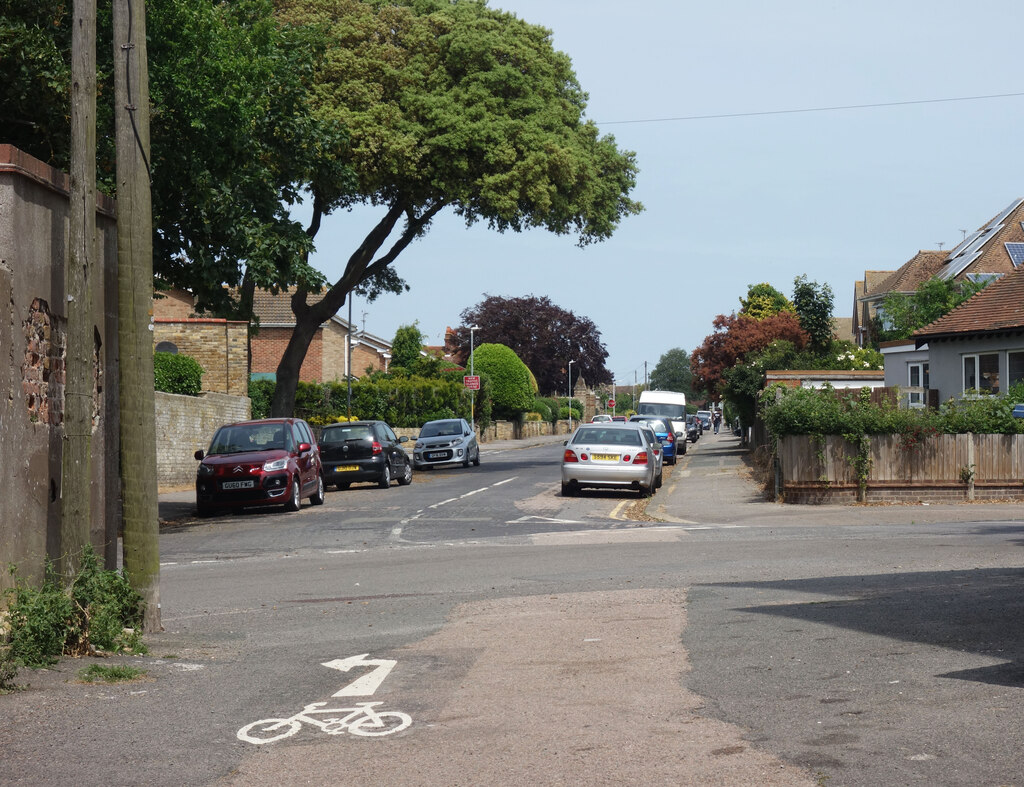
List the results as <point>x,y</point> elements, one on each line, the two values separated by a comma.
<point>474,492</point>
<point>513,478</point>
<point>444,502</point>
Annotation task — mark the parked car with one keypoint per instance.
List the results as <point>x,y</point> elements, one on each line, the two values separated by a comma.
<point>364,451</point>
<point>601,418</point>
<point>659,453</point>
<point>705,419</point>
<point>445,442</point>
<point>616,456</point>
<point>619,419</point>
<point>273,461</point>
<point>670,404</point>
<point>664,433</point>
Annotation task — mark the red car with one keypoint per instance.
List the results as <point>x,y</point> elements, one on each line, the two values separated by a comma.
<point>274,461</point>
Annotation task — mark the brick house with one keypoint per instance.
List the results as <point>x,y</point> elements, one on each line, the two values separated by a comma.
<point>220,346</point>
<point>327,357</point>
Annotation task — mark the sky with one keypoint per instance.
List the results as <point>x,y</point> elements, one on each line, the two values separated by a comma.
<point>740,187</point>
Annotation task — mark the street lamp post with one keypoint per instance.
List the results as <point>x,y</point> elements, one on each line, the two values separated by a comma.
<point>570,396</point>
<point>472,392</point>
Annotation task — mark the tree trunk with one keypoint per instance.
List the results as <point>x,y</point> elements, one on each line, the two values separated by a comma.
<point>76,456</point>
<point>135,308</point>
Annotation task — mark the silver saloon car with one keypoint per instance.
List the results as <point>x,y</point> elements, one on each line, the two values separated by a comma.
<point>446,442</point>
<point>612,456</point>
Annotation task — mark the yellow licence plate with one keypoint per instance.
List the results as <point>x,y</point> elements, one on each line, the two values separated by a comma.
<point>344,468</point>
<point>605,457</point>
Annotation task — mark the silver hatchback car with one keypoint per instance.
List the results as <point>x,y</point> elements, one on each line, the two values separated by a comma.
<point>446,442</point>
<point>618,455</point>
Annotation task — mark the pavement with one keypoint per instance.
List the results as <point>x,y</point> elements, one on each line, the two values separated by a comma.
<point>714,484</point>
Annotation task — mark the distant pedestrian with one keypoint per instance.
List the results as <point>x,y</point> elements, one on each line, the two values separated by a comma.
<point>716,419</point>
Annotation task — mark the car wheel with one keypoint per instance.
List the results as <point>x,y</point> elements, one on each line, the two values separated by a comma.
<point>204,511</point>
<point>684,449</point>
<point>317,498</point>
<point>646,491</point>
<point>295,499</point>
<point>406,478</point>
<point>476,459</point>
<point>568,490</point>
<point>465,462</point>
<point>659,481</point>
<point>385,477</point>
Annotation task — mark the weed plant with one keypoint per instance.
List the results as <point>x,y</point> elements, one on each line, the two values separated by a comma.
<point>99,612</point>
<point>97,673</point>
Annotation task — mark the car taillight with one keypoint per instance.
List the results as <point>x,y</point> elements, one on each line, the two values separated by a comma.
<point>640,459</point>
<point>569,456</point>
<point>671,438</point>
<point>376,448</point>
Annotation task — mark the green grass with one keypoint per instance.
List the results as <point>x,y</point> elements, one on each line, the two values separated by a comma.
<point>97,673</point>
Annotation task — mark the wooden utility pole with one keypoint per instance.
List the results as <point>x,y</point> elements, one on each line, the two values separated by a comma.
<point>135,307</point>
<point>79,366</point>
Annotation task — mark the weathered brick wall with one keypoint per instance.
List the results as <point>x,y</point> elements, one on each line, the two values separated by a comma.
<point>364,357</point>
<point>185,424</point>
<point>333,349</point>
<point>33,314</point>
<point>220,347</point>
<point>268,347</point>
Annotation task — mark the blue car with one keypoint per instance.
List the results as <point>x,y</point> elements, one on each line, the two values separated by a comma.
<point>663,430</point>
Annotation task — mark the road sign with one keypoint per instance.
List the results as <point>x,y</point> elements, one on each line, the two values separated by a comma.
<point>472,382</point>
<point>611,403</point>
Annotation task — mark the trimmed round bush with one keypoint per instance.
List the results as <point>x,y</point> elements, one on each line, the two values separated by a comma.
<point>177,374</point>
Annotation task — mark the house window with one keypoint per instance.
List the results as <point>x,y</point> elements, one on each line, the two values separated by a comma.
<point>981,373</point>
<point>917,377</point>
<point>1014,368</point>
<point>167,347</point>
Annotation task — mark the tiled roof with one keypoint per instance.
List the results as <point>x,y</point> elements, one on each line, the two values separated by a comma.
<point>987,253</point>
<point>912,274</point>
<point>998,307</point>
<point>277,309</point>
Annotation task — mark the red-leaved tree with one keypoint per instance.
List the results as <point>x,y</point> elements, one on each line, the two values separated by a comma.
<point>735,336</point>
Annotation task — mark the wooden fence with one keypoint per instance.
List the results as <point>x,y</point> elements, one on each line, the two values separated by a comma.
<point>940,468</point>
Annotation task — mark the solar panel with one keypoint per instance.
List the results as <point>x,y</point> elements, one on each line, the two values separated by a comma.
<point>1016,252</point>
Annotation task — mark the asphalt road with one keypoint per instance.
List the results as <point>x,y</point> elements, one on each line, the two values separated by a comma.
<point>535,639</point>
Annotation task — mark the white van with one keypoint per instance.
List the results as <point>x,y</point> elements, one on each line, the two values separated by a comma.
<point>669,404</point>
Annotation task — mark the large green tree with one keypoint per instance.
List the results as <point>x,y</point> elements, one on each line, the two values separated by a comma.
<point>813,305</point>
<point>673,373</point>
<point>449,104</point>
<point>407,346</point>
<point>234,139</point>
<point>763,300</point>
<point>900,314</point>
<point>511,390</point>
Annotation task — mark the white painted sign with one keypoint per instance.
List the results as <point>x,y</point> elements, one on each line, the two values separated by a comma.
<point>367,684</point>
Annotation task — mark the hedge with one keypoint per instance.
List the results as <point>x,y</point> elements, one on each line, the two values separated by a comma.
<point>177,374</point>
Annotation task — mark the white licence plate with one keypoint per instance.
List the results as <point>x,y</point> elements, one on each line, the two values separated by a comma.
<point>440,455</point>
<point>238,484</point>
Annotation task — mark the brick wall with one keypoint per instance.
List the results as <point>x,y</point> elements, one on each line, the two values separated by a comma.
<point>33,316</point>
<point>220,347</point>
<point>185,424</point>
<point>364,356</point>
<point>268,347</point>
<point>173,305</point>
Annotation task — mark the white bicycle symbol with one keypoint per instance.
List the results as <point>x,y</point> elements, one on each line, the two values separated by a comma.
<point>361,720</point>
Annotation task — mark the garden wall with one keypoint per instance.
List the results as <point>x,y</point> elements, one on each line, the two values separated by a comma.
<point>937,468</point>
<point>185,424</point>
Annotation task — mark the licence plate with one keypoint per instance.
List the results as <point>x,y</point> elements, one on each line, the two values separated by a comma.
<point>440,455</point>
<point>238,484</point>
<point>345,468</point>
<point>605,457</point>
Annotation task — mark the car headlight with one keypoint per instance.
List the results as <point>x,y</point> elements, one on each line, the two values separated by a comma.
<point>419,444</point>
<point>275,464</point>
<point>205,470</point>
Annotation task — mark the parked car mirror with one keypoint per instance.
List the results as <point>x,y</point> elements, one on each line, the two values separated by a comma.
<point>305,448</point>
<point>199,454</point>
<point>403,439</point>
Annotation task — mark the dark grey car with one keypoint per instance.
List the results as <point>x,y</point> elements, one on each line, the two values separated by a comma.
<point>363,451</point>
<point>445,442</point>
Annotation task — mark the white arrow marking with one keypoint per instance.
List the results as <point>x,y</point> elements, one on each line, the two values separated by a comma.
<point>368,683</point>
<point>543,519</point>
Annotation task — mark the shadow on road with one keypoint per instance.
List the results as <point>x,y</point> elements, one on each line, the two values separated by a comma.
<point>980,611</point>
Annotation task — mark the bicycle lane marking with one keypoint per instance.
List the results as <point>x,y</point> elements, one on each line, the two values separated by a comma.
<point>362,719</point>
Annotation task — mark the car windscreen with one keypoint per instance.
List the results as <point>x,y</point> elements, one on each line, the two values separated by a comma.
<point>341,434</point>
<point>611,436</point>
<point>677,412</point>
<point>244,438</point>
<point>441,429</point>
<point>657,424</point>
